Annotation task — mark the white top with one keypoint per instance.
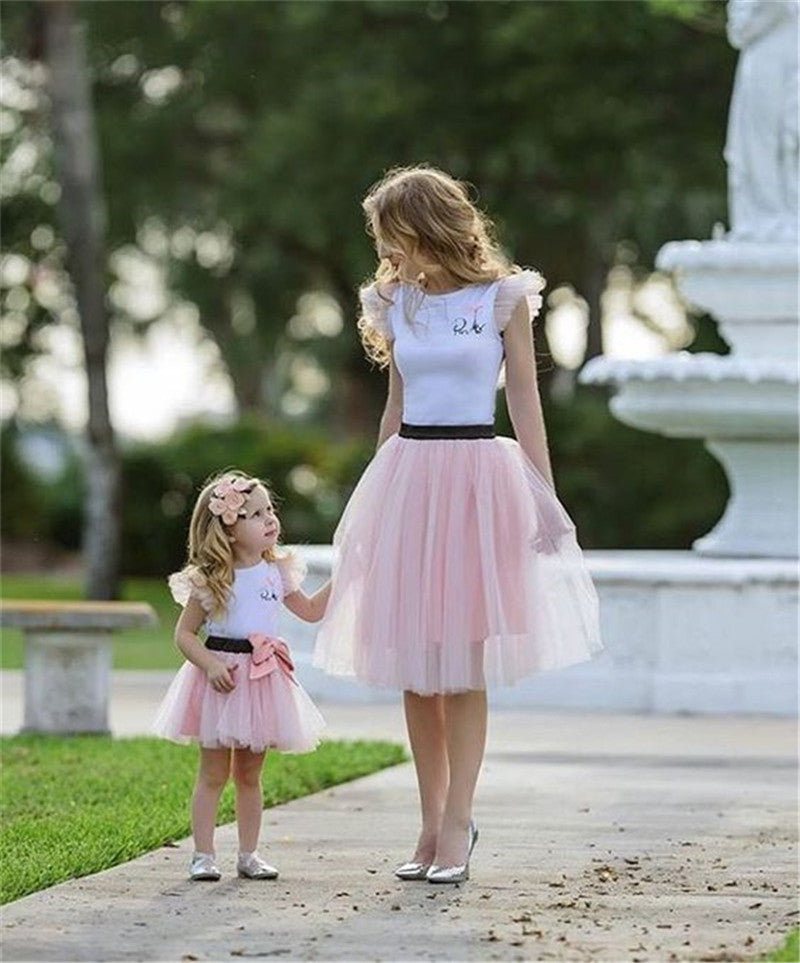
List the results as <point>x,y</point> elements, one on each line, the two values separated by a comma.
<point>448,347</point>
<point>255,598</point>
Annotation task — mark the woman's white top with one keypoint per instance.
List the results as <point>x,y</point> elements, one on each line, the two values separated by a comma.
<point>448,347</point>
<point>255,597</point>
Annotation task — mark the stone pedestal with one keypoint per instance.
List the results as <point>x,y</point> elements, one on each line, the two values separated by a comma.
<point>68,660</point>
<point>67,682</point>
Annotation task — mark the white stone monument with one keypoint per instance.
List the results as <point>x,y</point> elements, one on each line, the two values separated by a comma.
<point>744,404</point>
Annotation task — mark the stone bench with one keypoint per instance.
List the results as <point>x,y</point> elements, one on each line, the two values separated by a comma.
<point>68,659</point>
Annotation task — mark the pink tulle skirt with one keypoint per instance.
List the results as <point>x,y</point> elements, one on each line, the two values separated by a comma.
<point>455,567</point>
<point>270,712</point>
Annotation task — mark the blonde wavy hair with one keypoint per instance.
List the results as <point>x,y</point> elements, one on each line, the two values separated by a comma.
<point>209,564</point>
<point>427,213</point>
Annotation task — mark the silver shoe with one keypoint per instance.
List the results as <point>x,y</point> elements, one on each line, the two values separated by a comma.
<point>454,874</point>
<point>203,866</point>
<point>412,870</point>
<point>252,866</point>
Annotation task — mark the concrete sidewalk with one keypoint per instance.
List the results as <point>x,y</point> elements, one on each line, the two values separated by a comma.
<point>602,837</point>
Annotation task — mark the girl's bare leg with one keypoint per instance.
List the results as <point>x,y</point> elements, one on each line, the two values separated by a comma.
<point>465,716</point>
<point>247,767</point>
<point>213,772</point>
<point>426,732</point>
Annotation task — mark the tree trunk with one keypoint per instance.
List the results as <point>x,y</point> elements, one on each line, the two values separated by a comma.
<point>594,280</point>
<point>83,220</point>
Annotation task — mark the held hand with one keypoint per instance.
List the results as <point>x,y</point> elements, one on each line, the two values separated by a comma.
<point>324,596</point>
<point>221,676</point>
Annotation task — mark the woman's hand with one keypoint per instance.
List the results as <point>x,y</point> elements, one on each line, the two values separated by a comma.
<point>221,675</point>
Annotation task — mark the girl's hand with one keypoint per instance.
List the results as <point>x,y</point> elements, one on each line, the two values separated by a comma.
<point>220,676</point>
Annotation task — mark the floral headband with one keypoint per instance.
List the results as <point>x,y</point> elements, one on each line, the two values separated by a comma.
<point>227,499</point>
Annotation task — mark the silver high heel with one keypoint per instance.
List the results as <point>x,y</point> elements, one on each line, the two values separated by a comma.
<point>454,874</point>
<point>412,870</point>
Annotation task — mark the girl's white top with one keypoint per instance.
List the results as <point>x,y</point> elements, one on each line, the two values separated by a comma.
<point>448,348</point>
<point>255,598</point>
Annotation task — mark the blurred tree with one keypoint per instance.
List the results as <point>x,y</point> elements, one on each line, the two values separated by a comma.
<point>239,138</point>
<point>83,224</point>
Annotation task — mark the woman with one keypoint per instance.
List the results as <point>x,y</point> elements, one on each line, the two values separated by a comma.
<point>455,565</point>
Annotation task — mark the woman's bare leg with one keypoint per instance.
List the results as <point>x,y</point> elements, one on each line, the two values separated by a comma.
<point>215,766</point>
<point>465,716</point>
<point>426,732</point>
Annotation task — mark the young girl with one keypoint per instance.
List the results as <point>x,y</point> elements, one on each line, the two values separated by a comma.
<point>237,694</point>
<point>455,565</point>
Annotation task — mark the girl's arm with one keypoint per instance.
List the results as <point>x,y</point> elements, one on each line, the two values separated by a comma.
<point>522,390</point>
<point>310,608</point>
<point>393,411</point>
<point>186,639</point>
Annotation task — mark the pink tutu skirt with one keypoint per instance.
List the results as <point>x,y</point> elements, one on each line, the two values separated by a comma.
<point>271,712</point>
<point>455,567</point>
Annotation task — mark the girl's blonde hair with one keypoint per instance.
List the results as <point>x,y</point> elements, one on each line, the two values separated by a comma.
<point>209,565</point>
<point>425,211</point>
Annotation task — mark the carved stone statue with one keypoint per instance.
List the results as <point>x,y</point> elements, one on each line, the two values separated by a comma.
<point>761,149</point>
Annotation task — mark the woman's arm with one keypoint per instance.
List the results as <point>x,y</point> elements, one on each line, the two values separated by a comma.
<point>393,410</point>
<point>522,390</point>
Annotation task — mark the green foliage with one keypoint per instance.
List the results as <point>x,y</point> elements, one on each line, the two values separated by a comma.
<point>21,489</point>
<point>570,119</point>
<point>162,482</point>
<point>706,15</point>
<point>619,484</point>
<point>707,336</point>
<point>310,476</point>
<point>37,507</point>
<point>87,803</point>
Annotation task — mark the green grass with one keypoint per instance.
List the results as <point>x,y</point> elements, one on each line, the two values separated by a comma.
<point>133,648</point>
<point>789,952</point>
<point>77,805</point>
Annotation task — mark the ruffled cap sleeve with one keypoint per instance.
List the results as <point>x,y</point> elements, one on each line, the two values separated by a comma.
<point>293,570</point>
<point>188,583</point>
<point>526,285</point>
<point>375,305</point>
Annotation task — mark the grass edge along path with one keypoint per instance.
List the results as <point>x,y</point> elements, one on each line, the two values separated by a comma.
<point>76,805</point>
<point>92,802</point>
<point>789,951</point>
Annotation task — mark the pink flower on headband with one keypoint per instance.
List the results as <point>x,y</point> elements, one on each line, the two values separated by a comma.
<point>227,499</point>
<point>231,483</point>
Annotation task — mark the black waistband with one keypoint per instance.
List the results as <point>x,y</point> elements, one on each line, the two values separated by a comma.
<point>219,643</point>
<point>446,431</point>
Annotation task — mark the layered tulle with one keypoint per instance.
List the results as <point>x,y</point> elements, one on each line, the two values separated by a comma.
<point>455,567</point>
<point>271,712</point>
